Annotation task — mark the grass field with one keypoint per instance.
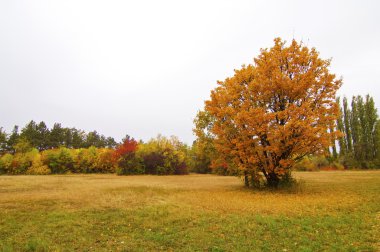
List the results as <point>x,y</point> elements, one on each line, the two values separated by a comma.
<point>329,211</point>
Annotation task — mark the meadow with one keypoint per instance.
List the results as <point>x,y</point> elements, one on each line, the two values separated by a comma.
<point>327,211</point>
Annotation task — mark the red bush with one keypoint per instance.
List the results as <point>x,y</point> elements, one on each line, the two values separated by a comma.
<point>127,147</point>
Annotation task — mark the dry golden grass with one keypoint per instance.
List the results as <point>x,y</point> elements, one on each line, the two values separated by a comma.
<point>103,191</point>
<point>206,204</point>
<point>320,192</point>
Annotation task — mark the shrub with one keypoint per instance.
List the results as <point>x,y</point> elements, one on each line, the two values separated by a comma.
<point>306,164</point>
<point>58,160</point>
<point>314,163</point>
<point>200,165</point>
<point>5,163</point>
<point>38,168</point>
<point>22,161</point>
<point>129,165</point>
<point>104,162</point>
<point>333,166</point>
<point>320,161</point>
<point>164,156</point>
<point>181,169</point>
<point>152,161</point>
<point>125,157</point>
<point>85,160</point>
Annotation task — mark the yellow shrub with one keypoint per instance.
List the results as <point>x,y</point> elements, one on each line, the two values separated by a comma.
<point>38,168</point>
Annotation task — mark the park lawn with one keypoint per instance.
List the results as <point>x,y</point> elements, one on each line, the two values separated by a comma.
<point>328,211</point>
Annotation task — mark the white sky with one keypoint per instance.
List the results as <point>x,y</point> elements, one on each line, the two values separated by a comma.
<point>145,67</point>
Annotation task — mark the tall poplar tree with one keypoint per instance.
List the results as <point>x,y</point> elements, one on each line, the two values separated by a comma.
<point>356,129</point>
<point>340,125</point>
<point>371,119</point>
<point>347,125</point>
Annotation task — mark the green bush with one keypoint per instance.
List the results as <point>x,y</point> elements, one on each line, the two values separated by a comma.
<point>129,165</point>
<point>336,165</point>
<point>85,160</point>
<point>59,160</point>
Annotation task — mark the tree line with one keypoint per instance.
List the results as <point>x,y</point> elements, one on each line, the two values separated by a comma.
<point>39,136</point>
<point>158,156</point>
<point>36,149</point>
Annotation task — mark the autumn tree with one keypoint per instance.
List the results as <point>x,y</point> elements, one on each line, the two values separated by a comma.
<point>126,159</point>
<point>274,112</point>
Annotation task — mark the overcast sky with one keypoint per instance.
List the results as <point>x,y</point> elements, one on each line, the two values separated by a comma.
<point>146,67</point>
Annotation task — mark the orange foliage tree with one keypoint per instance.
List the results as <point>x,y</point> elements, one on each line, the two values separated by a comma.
<point>274,112</point>
<point>128,146</point>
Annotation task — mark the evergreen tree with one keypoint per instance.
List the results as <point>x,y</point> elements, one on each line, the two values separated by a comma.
<point>110,142</point>
<point>43,136</point>
<point>102,142</point>
<point>56,136</point>
<point>30,134</point>
<point>12,140</point>
<point>78,137</point>
<point>68,138</point>
<point>3,141</point>
<point>94,139</point>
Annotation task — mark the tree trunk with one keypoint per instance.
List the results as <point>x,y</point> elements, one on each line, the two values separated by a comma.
<point>273,180</point>
<point>246,179</point>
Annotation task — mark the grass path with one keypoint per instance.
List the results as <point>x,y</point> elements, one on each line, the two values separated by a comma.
<point>331,211</point>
